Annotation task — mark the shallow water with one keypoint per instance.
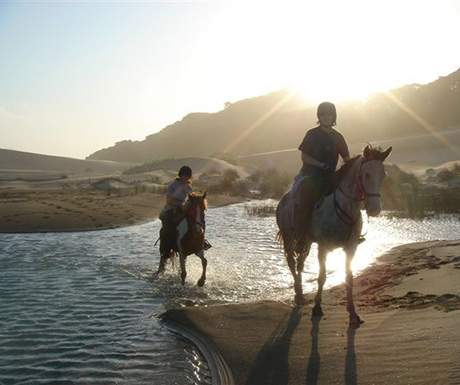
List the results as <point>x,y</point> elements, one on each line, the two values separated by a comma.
<point>83,307</point>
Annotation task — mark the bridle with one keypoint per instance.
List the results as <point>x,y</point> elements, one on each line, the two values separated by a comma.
<point>192,217</point>
<point>361,195</point>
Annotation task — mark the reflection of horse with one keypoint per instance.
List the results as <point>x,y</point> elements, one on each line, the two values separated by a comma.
<point>190,235</point>
<point>336,221</point>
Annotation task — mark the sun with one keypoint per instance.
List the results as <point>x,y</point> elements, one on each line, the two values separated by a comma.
<point>335,90</point>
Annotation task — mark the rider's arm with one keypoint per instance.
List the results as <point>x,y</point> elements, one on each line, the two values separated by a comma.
<point>307,159</point>
<point>343,149</point>
<point>170,200</point>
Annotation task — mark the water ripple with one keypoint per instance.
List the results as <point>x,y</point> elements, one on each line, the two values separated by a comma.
<point>81,307</point>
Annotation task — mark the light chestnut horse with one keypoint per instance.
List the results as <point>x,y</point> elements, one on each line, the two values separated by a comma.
<point>336,222</point>
<point>190,236</point>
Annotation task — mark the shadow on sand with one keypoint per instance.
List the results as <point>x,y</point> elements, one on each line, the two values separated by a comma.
<point>271,366</point>
<point>314,362</point>
<point>351,373</point>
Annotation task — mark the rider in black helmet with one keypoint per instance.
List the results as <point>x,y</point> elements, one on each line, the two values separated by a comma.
<point>320,149</point>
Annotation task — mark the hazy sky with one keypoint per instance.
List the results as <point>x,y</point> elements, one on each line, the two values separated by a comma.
<point>76,77</point>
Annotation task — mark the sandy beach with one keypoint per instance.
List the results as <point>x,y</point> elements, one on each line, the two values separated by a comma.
<point>409,300</point>
<point>48,193</point>
<point>32,210</point>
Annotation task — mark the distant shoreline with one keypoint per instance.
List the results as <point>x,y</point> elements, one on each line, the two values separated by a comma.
<point>32,211</point>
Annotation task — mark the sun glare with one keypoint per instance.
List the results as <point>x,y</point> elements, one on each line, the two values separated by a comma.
<point>354,52</point>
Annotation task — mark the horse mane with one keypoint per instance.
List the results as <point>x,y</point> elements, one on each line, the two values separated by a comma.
<point>343,170</point>
<point>369,153</point>
<point>197,196</point>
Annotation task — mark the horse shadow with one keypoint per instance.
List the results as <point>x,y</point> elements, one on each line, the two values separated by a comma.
<point>351,373</point>
<point>275,352</point>
<point>314,362</point>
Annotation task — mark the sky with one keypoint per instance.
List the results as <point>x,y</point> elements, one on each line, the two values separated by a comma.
<point>76,77</point>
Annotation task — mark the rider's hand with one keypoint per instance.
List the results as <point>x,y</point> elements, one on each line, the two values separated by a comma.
<point>323,166</point>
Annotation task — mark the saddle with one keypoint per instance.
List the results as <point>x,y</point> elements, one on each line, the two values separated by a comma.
<point>192,242</point>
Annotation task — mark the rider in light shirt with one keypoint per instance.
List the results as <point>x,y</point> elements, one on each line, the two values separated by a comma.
<point>176,195</point>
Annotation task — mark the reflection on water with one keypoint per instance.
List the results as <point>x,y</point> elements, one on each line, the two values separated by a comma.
<point>83,307</point>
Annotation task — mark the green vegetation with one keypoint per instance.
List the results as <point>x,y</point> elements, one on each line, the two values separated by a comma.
<point>405,195</point>
<point>260,210</point>
<point>262,184</point>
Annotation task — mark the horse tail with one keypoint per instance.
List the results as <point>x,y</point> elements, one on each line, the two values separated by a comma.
<point>280,241</point>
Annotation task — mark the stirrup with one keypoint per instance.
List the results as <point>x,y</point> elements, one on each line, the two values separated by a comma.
<point>206,245</point>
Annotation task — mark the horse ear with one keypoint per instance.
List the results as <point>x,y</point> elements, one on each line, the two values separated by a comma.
<point>204,195</point>
<point>385,154</point>
<point>366,152</point>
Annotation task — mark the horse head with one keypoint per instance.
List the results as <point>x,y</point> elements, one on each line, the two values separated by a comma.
<point>197,205</point>
<point>370,178</point>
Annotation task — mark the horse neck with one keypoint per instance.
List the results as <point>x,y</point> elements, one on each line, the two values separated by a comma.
<point>195,213</point>
<point>348,186</point>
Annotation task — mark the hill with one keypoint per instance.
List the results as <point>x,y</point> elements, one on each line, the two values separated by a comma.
<point>413,154</point>
<point>278,121</point>
<point>14,164</point>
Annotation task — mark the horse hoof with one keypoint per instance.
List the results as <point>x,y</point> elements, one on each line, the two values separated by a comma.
<point>355,321</point>
<point>317,311</point>
<point>201,282</point>
<point>300,300</point>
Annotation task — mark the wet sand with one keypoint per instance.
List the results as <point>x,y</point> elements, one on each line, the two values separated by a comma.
<point>409,300</point>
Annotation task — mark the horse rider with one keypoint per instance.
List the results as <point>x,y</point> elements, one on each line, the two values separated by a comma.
<point>320,149</point>
<point>176,195</point>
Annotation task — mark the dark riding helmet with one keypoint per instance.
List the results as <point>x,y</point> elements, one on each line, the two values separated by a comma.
<point>327,108</point>
<point>185,170</point>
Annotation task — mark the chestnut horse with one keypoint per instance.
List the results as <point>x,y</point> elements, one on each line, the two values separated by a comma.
<point>336,222</point>
<point>190,236</point>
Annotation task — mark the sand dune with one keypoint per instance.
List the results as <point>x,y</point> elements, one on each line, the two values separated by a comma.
<point>19,161</point>
<point>48,193</point>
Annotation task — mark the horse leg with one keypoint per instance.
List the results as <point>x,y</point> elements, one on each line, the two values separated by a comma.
<point>204,263</point>
<point>322,253</point>
<point>303,256</point>
<point>181,231</point>
<point>162,266</point>
<point>183,270</point>
<point>163,251</point>
<point>288,242</point>
<point>354,317</point>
